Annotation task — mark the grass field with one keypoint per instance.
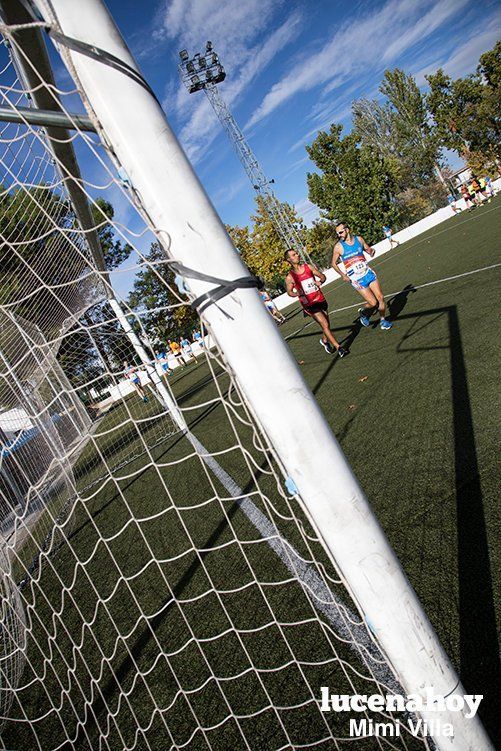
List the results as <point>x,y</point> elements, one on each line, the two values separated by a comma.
<point>166,595</point>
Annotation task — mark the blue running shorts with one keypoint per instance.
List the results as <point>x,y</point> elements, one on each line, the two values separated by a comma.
<point>365,280</point>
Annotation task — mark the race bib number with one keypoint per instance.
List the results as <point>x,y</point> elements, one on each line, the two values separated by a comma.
<point>309,286</point>
<point>357,270</point>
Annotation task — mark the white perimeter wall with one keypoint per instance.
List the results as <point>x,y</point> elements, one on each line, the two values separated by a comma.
<point>282,301</point>
<point>122,388</point>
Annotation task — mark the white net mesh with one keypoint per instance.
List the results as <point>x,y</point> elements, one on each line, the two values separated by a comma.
<point>161,589</point>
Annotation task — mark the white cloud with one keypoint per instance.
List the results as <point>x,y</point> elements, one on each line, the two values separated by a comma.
<point>461,57</point>
<point>295,166</point>
<point>239,32</point>
<point>307,211</point>
<point>227,192</point>
<point>331,115</point>
<point>465,58</point>
<point>230,25</point>
<point>369,41</point>
<point>438,14</point>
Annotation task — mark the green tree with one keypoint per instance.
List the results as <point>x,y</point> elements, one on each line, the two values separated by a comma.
<point>467,111</point>
<point>98,343</point>
<point>36,258</point>
<point>490,109</point>
<point>262,248</point>
<point>412,135</point>
<point>373,123</point>
<point>355,184</point>
<point>164,312</point>
<point>34,251</point>
<point>31,250</point>
<point>115,251</point>
<point>321,238</point>
<point>454,108</point>
<point>241,239</point>
<point>445,109</point>
<point>481,163</point>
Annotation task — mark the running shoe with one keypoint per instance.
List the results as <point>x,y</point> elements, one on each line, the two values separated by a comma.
<point>364,320</point>
<point>145,399</point>
<point>327,346</point>
<point>385,325</point>
<point>342,352</point>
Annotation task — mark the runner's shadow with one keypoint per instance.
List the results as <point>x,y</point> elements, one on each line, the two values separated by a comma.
<point>399,301</point>
<point>354,332</point>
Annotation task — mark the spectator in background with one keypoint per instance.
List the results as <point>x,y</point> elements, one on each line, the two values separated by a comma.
<point>186,349</point>
<point>452,203</point>
<point>474,190</point>
<point>271,307</point>
<point>489,188</point>
<point>163,362</point>
<point>132,374</point>
<point>388,232</point>
<point>483,189</point>
<point>198,338</point>
<point>465,193</point>
<point>176,351</point>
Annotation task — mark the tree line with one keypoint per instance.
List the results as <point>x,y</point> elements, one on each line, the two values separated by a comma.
<point>390,168</point>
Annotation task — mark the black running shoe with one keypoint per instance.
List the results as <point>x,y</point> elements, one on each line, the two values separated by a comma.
<point>342,352</point>
<point>327,346</point>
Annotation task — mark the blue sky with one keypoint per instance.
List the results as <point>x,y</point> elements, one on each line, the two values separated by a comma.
<point>293,67</point>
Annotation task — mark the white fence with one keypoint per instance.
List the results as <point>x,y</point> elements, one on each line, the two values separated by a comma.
<point>125,386</point>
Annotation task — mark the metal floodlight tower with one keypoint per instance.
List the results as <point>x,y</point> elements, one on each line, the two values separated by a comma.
<point>203,72</point>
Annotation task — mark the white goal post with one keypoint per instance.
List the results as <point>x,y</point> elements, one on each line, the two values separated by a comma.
<point>191,233</point>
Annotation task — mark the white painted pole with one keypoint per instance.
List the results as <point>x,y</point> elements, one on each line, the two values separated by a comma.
<point>165,397</point>
<point>191,231</point>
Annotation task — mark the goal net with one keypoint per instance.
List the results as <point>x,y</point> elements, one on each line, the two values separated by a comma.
<point>163,585</point>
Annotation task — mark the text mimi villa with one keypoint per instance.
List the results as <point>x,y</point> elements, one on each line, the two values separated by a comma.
<point>364,728</point>
<point>427,702</point>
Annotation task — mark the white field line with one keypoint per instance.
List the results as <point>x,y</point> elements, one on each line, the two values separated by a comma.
<point>344,621</point>
<point>394,294</point>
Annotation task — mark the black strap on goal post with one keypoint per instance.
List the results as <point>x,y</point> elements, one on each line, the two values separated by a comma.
<point>225,287</point>
<point>83,48</point>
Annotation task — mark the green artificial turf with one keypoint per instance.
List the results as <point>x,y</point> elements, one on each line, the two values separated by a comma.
<point>161,560</point>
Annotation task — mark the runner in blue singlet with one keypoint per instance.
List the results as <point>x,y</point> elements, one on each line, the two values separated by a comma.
<point>130,372</point>
<point>350,250</point>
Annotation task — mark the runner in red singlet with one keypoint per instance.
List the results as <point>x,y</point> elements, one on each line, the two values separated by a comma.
<point>304,282</point>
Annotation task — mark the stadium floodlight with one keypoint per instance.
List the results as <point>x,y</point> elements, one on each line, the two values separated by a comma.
<point>202,70</point>
<point>210,73</point>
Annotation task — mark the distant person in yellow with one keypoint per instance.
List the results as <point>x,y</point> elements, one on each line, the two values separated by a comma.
<point>176,351</point>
